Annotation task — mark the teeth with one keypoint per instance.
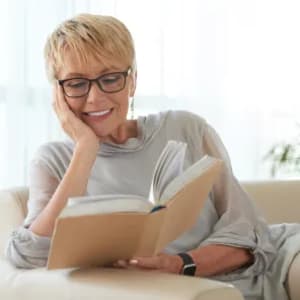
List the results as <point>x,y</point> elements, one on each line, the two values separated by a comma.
<point>99,113</point>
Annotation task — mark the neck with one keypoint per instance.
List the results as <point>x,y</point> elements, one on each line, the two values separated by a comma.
<point>123,133</point>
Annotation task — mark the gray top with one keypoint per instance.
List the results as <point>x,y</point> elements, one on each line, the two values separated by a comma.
<point>228,218</point>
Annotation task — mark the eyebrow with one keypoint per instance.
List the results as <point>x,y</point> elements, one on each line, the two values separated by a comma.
<point>104,71</point>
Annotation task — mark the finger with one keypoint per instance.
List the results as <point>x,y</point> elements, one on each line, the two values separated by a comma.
<point>55,103</point>
<point>151,262</point>
<point>118,265</point>
<point>54,96</point>
<point>60,99</point>
<point>62,114</point>
<point>62,105</point>
<point>121,263</point>
<point>55,92</point>
<point>54,87</point>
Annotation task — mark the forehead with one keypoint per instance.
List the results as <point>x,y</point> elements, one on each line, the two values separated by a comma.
<point>92,67</point>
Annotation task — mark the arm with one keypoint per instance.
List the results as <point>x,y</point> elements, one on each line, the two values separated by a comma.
<point>73,183</point>
<point>76,177</point>
<point>219,259</point>
<point>211,260</point>
<point>28,248</point>
<point>240,237</point>
<point>240,225</point>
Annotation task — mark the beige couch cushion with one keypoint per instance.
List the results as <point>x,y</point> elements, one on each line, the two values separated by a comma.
<point>13,209</point>
<point>104,283</point>
<point>278,200</point>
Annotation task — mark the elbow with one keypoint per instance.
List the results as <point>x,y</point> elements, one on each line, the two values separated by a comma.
<point>16,258</point>
<point>247,257</point>
<point>13,256</point>
<point>23,255</point>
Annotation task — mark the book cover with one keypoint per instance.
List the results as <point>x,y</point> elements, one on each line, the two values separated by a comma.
<point>98,230</point>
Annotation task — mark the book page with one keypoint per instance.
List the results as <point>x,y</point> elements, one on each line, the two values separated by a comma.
<point>103,204</point>
<point>183,209</point>
<point>168,166</point>
<point>194,171</point>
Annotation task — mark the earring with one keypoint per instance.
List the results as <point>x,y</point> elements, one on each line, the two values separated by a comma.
<point>132,108</point>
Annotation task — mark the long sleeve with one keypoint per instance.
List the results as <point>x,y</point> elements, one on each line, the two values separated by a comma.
<point>25,249</point>
<point>239,223</point>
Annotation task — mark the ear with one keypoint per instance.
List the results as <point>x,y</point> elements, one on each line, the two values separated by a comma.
<point>133,84</point>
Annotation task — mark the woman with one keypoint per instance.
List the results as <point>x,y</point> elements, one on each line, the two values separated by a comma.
<point>91,63</point>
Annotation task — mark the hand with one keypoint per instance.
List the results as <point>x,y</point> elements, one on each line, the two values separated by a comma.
<point>71,124</point>
<point>166,263</point>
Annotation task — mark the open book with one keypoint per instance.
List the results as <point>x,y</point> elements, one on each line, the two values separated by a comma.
<point>98,230</point>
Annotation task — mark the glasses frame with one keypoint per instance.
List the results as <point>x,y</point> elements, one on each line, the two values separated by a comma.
<point>125,74</point>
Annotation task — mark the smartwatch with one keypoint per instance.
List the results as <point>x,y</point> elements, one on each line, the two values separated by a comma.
<point>189,266</point>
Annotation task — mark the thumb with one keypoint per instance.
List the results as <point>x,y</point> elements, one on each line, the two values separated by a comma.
<point>150,262</point>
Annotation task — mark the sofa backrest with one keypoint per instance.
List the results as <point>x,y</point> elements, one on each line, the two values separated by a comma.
<point>278,200</point>
<point>13,209</point>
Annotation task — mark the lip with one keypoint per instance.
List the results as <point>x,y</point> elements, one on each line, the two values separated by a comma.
<point>97,118</point>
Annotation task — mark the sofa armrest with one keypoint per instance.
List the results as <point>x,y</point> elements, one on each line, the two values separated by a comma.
<point>93,283</point>
<point>12,212</point>
<point>107,283</point>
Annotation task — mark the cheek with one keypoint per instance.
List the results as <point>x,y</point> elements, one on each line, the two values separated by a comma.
<point>123,106</point>
<point>120,101</point>
<point>75,106</point>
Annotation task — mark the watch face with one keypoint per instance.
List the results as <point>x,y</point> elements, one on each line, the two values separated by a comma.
<point>189,269</point>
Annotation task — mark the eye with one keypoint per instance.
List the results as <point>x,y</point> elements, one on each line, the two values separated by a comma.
<point>111,78</point>
<point>76,83</point>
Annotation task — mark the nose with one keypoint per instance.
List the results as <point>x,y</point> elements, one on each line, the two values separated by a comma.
<point>95,93</point>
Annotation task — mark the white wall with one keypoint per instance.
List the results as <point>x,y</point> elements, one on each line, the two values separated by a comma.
<point>234,62</point>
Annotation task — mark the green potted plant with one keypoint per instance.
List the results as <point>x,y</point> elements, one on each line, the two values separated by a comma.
<point>285,157</point>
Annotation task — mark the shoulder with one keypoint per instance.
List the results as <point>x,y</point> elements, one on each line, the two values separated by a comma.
<point>183,117</point>
<point>54,156</point>
<point>54,149</point>
<point>179,125</point>
<point>183,122</point>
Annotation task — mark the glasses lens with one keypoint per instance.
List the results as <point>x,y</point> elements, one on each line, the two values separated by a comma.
<point>112,82</point>
<point>76,87</point>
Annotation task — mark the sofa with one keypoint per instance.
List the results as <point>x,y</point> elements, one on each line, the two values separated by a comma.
<point>108,283</point>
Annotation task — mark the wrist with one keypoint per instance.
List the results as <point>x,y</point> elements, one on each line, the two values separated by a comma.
<point>84,156</point>
<point>188,264</point>
<point>178,264</point>
<point>87,146</point>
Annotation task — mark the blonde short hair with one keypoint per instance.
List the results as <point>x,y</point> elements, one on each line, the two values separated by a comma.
<point>103,37</point>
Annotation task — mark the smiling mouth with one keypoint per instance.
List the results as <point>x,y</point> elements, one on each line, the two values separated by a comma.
<point>98,113</point>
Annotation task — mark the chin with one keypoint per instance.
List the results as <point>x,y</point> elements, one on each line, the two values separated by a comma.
<point>102,135</point>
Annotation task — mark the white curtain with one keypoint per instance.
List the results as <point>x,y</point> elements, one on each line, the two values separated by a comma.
<point>234,62</point>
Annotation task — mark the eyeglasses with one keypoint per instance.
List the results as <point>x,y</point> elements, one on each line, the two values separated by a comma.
<point>108,83</point>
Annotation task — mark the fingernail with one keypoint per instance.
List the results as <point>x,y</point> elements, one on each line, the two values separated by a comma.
<point>133,261</point>
<point>122,263</point>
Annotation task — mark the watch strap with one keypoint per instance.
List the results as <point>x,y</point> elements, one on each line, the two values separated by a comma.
<point>189,266</point>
